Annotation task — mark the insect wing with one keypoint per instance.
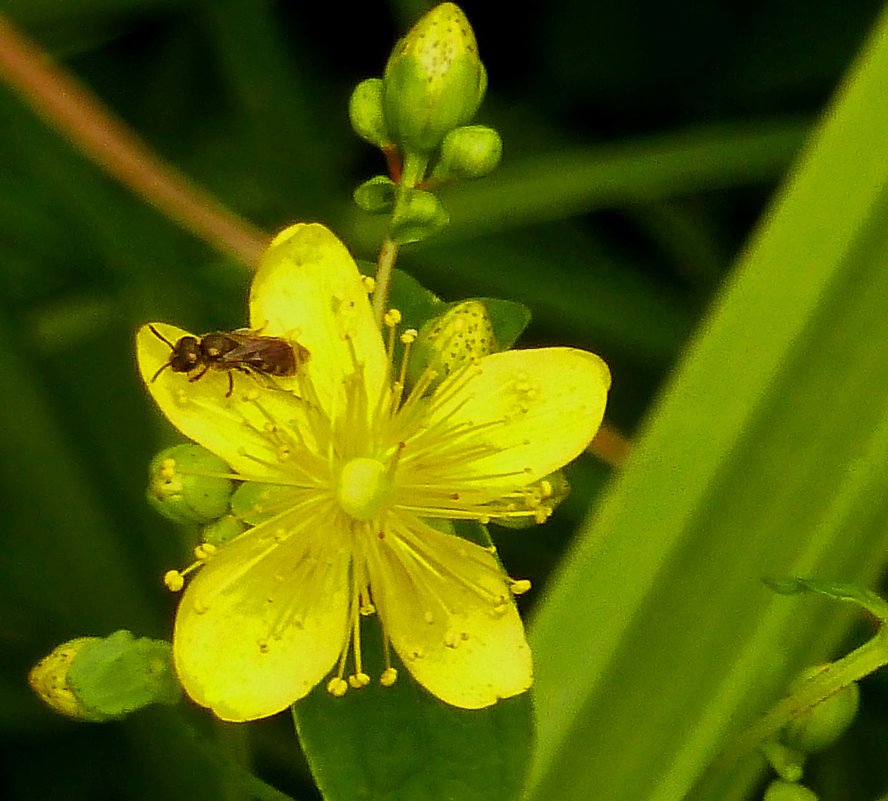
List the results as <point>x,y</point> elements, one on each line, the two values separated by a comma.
<point>272,355</point>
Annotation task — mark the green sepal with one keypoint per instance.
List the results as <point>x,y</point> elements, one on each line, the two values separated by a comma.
<point>187,484</point>
<point>416,303</point>
<point>470,151</point>
<point>838,590</point>
<point>376,195</point>
<point>418,215</point>
<point>509,318</point>
<point>114,676</point>
<point>366,113</point>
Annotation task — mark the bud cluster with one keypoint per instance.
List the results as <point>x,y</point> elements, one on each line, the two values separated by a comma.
<point>418,115</point>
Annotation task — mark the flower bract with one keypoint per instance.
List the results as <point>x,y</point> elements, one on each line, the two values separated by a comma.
<point>356,474</point>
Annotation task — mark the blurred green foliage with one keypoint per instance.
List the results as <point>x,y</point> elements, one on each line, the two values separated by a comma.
<point>642,141</point>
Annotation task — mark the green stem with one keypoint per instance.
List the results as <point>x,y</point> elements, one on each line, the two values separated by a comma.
<point>413,172</point>
<point>864,660</point>
<point>385,265</point>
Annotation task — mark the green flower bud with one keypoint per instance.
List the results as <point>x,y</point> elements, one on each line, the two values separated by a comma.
<point>471,151</point>
<point>418,214</point>
<point>820,726</point>
<point>788,791</point>
<point>98,679</point>
<point>376,195</point>
<point>462,334</point>
<point>434,80</point>
<point>366,113</point>
<point>185,484</point>
<point>49,679</point>
<point>223,530</point>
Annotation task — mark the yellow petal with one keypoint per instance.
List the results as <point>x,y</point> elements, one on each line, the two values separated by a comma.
<point>521,413</point>
<point>264,620</point>
<point>445,605</point>
<point>308,289</point>
<point>229,427</point>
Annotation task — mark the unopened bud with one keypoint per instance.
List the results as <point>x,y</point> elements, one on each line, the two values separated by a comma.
<point>788,791</point>
<point>366,113</point>
<point>105,678</point>
<point>434,80</point>
<point>461,335</point>
<point>187,484</point>
<point>471,151</point>
<point>819,727</point>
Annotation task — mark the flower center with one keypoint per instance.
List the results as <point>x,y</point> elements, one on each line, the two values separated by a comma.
<point>364,488</point>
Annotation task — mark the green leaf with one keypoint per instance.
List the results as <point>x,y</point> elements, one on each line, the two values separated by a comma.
<point>508,318</point>
<point>767,455</point>
<point>376,195</point>
<point>839,590</point>
<point>418,215</point>
<point>399,743</point>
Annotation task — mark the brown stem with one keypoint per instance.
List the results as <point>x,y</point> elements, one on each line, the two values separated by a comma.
<point>610,446</point>
<point>66,105</point>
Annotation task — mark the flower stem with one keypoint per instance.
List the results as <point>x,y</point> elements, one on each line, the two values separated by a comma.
<point>610,446</point>
<point>69,107</point>
<point>385,264</point>
<point>864,660</point>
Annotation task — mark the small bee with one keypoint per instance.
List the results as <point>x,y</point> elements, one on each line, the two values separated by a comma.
<point>242,350</point>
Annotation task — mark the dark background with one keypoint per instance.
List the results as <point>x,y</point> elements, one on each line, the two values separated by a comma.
<point>249,98</point>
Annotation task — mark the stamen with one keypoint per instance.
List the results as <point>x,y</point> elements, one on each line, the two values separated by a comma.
<point>175,579</point>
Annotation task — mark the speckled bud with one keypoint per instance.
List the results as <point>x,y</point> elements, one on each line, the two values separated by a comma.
<point>105,678</point>
<point>462,334</point>
<point>434,80</point>
<point>185,484</point>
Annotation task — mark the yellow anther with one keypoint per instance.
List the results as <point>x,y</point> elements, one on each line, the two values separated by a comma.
<point>542,514</point>
<point>337,687</point>
<point>520,586</point>
<point>546,488</point>
<point>358,680</point>
<point>389,677</point>
<point>367,609</point>
<point>174,580</point>
<point>369,283</point>
<point>391,318</point>
<point>204,551</point>
<point>409,336</point>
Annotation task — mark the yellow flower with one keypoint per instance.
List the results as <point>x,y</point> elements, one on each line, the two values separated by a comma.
<point>358,468</point>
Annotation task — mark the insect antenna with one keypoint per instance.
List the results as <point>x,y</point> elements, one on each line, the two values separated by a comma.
<point>162,338</point>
